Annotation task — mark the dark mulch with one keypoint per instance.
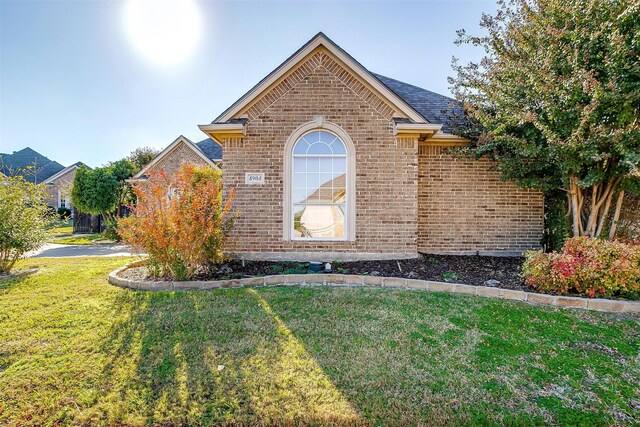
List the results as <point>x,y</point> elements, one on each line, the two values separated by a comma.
<point>503,272</point>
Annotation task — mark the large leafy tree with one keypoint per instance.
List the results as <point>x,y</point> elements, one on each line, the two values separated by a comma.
<point>556,101</point>
<point>24,217</point>
<point>103,190</point>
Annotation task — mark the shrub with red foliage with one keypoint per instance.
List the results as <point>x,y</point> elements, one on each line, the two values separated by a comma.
<point>183,222</point>
<point>586,266</point>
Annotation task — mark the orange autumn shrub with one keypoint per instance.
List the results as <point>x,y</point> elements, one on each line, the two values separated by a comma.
<point>586,266</point>
<point>183,222</point>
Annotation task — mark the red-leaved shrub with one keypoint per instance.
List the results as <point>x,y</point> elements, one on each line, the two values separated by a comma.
<point>182,222</point>
<point>586,266</point>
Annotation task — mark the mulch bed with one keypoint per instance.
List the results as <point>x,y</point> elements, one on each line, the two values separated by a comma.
<point>502,272</point>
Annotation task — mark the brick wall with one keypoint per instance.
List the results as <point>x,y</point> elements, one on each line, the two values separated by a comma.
<point>464,207</point>
<point>386,174</point>
<point>64,183</point>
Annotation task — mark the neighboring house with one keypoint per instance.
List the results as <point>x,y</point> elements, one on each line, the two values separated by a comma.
<point>204,153</point>
<point>36,168</point>
<point>59,186</point>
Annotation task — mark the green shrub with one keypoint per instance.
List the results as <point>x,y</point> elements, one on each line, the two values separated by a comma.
<point>64,213</point>
<point>586,266</point>
<point>24,219</point>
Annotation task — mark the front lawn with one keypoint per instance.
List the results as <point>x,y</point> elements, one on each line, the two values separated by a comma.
<point>75,350</point>
<point>62,228</point>
<point>81,239</point>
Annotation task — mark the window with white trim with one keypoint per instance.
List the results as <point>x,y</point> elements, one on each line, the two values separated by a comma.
<point>319,187</point>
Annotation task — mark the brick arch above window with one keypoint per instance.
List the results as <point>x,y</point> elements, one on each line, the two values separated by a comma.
<point>319,124</point>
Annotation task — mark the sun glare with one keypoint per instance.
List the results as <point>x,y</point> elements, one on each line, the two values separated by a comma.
<point>163,31</point>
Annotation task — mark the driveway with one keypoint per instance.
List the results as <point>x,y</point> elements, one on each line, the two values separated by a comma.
<point>53,250</point>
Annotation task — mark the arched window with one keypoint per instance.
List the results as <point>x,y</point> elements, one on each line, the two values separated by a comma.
<point>319,187</point>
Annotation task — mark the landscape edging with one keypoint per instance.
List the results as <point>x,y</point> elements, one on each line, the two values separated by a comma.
<point>598,304</point>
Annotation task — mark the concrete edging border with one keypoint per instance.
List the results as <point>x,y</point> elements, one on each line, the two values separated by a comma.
<point>321,279</point>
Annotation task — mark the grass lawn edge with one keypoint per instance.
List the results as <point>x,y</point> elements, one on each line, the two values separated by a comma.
<point>324,279</point>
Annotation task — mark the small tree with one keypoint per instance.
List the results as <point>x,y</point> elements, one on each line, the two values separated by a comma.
<point>182,222</point>
<point>556,101</point>
<point>103,190</point>
<point>24,218</point>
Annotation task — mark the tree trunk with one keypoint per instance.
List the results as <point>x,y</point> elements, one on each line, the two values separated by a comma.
<point>604,214</point>
<point>616,215</point>
<point>575,206</point>
<point>589,216</point>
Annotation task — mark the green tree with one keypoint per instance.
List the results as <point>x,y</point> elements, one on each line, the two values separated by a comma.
<point>103,190</point>
<point>142,156</point>
<point>555,101</point>
<point>24,217</point>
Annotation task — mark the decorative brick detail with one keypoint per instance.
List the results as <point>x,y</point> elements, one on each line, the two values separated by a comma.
<point>464,207</point>
<point>319,59</point>
<point>411,143</point>
<point>232,142</point>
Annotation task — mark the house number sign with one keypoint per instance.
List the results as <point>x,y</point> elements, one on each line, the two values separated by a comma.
<point>254,178</point>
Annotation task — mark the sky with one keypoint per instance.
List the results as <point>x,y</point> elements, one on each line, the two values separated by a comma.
<point>78,84</point>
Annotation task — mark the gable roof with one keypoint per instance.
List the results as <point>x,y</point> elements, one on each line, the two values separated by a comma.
<point>434,107</point>
<point>196,148</point>
<point>31,165</point>
<point>417,104</point>
<point>76,165</point>
<point>320,39</point>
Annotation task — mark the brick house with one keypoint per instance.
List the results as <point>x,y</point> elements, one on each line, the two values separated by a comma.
<point>331,161</point>
<point>204,153</point>
<point>59,186</point>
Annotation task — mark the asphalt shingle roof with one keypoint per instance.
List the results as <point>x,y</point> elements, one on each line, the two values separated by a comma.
<point>210,148</point>
<point>436,108</point>
<point>30,164</point>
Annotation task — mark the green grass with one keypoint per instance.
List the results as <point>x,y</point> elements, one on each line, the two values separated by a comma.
<point>75,350</point>
<point>62,228</point>
<point>81,239</point>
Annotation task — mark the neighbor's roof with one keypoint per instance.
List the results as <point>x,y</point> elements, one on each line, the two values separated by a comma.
<point>30,164</point>
<point>434,107</point>
<point>65,170</point>
<point>210,148</point>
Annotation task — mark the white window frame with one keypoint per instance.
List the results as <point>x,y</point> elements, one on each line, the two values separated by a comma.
<point>350,182</point>
<point>60,198</point>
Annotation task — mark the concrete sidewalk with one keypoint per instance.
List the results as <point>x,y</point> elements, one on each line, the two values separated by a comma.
<point>54,250</point>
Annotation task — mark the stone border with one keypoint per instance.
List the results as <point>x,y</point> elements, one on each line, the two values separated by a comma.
<point>321,279</point>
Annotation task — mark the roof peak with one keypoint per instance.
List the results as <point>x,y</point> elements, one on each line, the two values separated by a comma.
<point>320,39</point>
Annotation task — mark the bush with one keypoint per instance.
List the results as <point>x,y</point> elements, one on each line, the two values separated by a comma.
<point>64,213</point>
<point>182,222</point>
<point>586,266</point>
<point>24,218</point>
